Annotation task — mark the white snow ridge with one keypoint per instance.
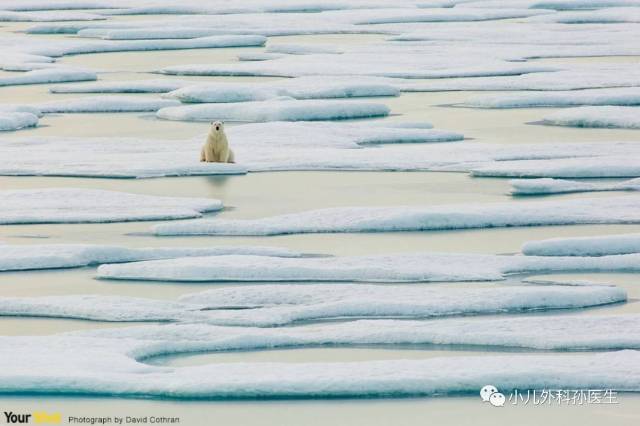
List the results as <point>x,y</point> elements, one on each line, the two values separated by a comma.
<point>71,205</point>
<point>559,186</point>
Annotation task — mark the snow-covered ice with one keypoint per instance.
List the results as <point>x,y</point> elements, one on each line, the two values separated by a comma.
<point>48,75</point>
<point>134,86</point>
<point>296,88</point>
<point>17,120</point>
<point>313,303</point>
<point>47,256</point>
<point>418,267</point>
<point>620,97</point>
<point>596,116</point>
<point>550,332</point>
<point>111,103</point>
<point>72,205</point>
<point>275,110</point>
<point>584,246</point>
<point>75,364</point>
<point>558,186</point>
<point>392,219</point>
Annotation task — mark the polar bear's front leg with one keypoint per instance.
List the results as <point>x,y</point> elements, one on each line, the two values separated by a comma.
<point>203,156</point>
<point>231,158</point>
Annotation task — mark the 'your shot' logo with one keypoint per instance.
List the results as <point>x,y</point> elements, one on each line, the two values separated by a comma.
<point>490,394</point>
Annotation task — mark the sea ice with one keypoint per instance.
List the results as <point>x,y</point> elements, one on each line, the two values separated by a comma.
<point>47,256</point>
<point>418,267</point>
<point>275,110</point>
<point>597,116</point>
<point>296,88</point>
<point>584,246</point>
<point>71,205</point>
<point>17,120</point>
<point>625,97</point>
<point>48,75</point>
<point>133,86</point>
<point>559,186</point>
<point>392,219</point>
<point>106,104</point>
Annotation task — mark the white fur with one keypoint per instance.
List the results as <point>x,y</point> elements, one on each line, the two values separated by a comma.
<point>216,148</point>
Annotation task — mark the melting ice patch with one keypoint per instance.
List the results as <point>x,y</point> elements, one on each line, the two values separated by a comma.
<point>310,302</point>
<point>614,166</point>
<point>393,219</point>
<point>559,186</point>
<point>419,267</point>
<point>106,104</point>
<point>74,364</point>
<point>48,75</point>
<point>47,16</point>
<point>584,246</point>
<point>276,110</point>
<point>28,257</point>
<point>71,205</point>
<point>550,332</point>
<point>17,120</point>
<point>624,97</point>
<point>134,86</point>
<point>297,88</point>
<point>603,116</point>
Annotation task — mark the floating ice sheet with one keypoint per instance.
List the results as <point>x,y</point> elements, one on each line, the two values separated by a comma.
<point>558,186</point>
<point>297,88</point>
<point>46,256</point>
<point>134,86</point>
<point>584,246</point>
<point>597,116</point>
<point>106,104</point>
<point>48,75</point>
<point>71,205</point>
<point>276,110</point>
<point>624,97</point>
<point>420,267</point>
<point>17,120</point>
<point>388,219</point>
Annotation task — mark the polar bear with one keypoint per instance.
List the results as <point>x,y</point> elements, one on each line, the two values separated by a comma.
<point>216,148</point>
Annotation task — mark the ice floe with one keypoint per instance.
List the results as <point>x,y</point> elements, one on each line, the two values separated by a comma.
<point>609,77</point>
<point>106,104</point>
<point>280,146</point>
<point>296,88</point>
<point>614,166</point>
<point>102,366</point>
<point>48,75</point>
<point>624,97</point>
<point>47,16</point>
<point>558,186</point>
<point>549,332</point>
<point>612,15</point>
<point>317,145</point>
<point>134,86</point>
<point>275,110</point>
<point>596,116</point>
<point>584,246</point>
<point>47,256</point>
<point>72,205</point>
<point>419,267</point>
<point>17,120</point>
<point>313,303</point>
<point>388,219</point>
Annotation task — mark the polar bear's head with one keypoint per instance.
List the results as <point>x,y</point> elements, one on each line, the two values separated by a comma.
<point>217,127</point>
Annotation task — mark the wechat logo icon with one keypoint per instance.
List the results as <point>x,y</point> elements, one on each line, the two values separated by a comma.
<point>490,394</point>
